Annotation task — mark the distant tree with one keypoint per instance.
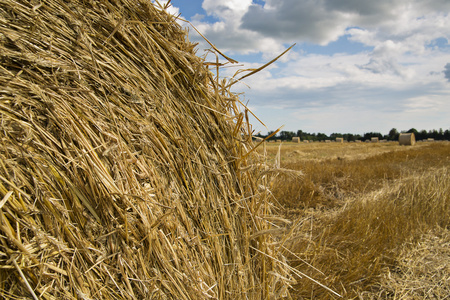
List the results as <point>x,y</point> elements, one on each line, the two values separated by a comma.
<point>322,136</point>
<point>447,135</point>
<point>335,135</point>
<point>413,130</point>
<point>349,137</point>
<point>369,135</point>
<point>286,135</point>
<point>422,135</point>
<point>440,134</point>
<point>312,137</point>
<point>433,134</point>
<point>393,134</point>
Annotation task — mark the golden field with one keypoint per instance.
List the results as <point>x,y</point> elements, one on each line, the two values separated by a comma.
<point>368,221</point>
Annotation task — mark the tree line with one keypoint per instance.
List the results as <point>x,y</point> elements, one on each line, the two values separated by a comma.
<point>391,136</point>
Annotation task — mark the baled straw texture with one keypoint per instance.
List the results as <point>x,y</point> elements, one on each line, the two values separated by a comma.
<point>407,139</point>
<point>124,171</point>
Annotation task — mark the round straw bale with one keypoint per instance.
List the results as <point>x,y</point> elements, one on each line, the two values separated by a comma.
<point>296,139</point>
<point>124,171</point>
<point>339,140</point>
<point>407,139</point>
<point>374,140</point>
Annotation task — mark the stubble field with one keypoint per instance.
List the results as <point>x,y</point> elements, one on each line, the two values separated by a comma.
<point>368,221</point>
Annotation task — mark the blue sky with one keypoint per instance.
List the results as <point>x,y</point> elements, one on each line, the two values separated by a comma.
<point>358,65</point>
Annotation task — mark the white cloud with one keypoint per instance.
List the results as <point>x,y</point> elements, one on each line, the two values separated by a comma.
<point>292,20</point>
<point>226,9</point>
<point>323,21</point>
<point>401,73</point>
<point>426,104</point>
<point>333,94</point>
<point>244,27</point>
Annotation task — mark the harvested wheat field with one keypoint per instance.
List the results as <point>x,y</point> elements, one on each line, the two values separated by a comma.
<point>127,169</point>
<point>369,221</point>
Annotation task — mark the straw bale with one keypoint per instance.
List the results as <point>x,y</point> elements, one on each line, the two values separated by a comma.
<point>126,169</point>
<point>374,140</point>
<point>430,140</point>
<point>339,140</point>
<point>296,139</point>
<point>407,139</point>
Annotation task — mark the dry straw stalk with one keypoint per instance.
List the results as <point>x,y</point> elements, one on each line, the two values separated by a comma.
<point>125,170</point>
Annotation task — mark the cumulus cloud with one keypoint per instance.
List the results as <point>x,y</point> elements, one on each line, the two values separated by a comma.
<point>324,21</point>
<point>400,67</point>
<point>447,71</point>
<point>225,32</point>
<point>291,20</point>
<point>246,26</point>
<point>226,9</point>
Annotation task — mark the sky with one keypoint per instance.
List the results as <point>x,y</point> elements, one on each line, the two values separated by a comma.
<point>357,66</point>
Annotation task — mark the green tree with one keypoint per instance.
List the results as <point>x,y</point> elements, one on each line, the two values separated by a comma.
<point>440,134</point>
<point>422,135</point>
<point>393,134</point>
<point>447,135</point>
<point>322,136</point>
<point>287,135</point>
<point>413,130</point>
<point>349,137</point>
<point>269,133</point>
<point>369,135</point>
